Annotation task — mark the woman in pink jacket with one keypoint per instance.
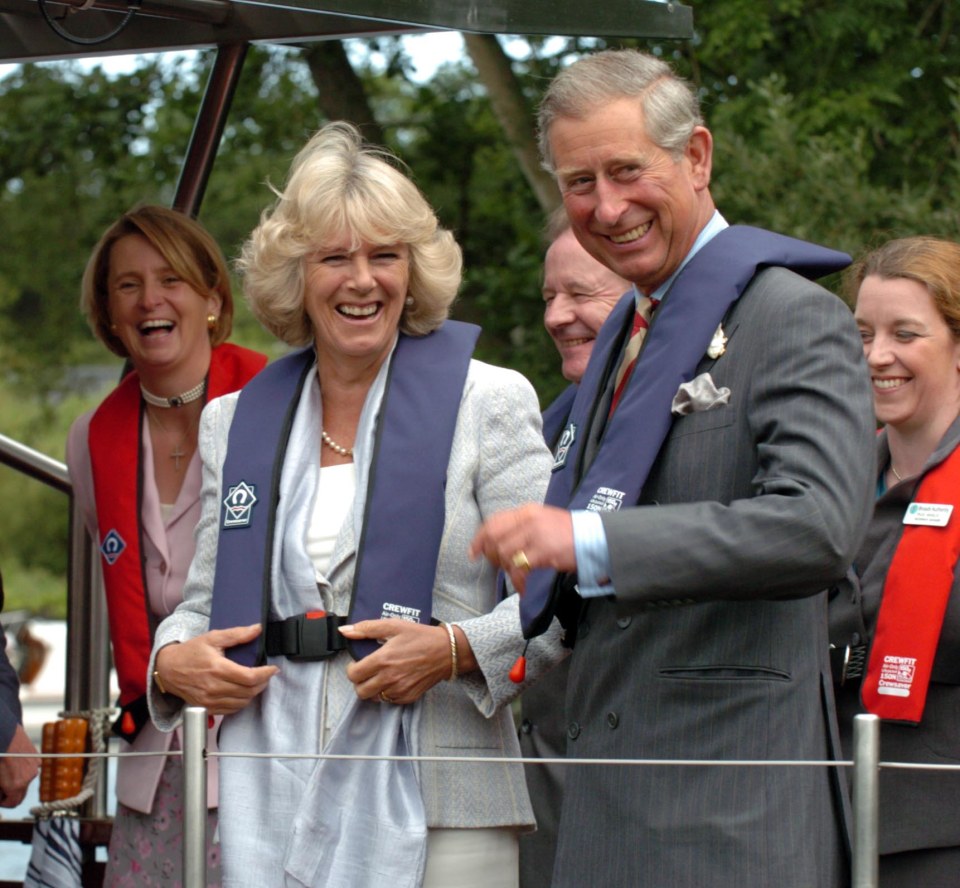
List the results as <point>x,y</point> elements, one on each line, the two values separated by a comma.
<point>156,292</point>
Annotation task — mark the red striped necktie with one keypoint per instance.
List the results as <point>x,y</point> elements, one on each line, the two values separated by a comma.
<point>641,321</point>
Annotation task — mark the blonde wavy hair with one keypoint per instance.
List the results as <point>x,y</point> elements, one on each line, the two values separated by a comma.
<point>340,185</point>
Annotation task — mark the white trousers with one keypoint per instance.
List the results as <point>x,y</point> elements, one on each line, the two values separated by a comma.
<point>472,858</point>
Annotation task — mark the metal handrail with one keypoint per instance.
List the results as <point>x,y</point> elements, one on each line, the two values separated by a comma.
<point>35,464</point>
<point>866,765</point>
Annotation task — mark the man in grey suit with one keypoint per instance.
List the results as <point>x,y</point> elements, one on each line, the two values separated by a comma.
<point>578,294</point>
<point>703,496</point>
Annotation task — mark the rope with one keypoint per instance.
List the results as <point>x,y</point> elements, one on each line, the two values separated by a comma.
<point>98,722</point>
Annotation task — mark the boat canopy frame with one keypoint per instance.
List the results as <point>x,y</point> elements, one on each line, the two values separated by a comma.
<point>58,30</point>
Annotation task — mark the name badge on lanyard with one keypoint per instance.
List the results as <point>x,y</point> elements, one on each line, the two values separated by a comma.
<point>928,514</point>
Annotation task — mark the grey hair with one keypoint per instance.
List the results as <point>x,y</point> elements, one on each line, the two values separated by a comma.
<point>557,224</point>
<point>670,106</point>
<point>340,185</point>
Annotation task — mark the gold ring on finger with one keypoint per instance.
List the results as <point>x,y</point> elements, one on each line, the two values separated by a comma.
<point>520,560</point>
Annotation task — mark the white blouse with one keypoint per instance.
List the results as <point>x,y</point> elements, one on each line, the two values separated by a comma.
<point>335,491</point>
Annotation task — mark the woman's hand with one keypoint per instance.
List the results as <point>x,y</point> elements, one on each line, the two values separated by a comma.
<point>198,672</point>
<point>411,660</point>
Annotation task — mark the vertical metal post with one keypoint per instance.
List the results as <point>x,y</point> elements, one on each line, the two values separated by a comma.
<point>208,128</point>
<point>866,800</point>
<point>194,797</point>
<point>87,678</point>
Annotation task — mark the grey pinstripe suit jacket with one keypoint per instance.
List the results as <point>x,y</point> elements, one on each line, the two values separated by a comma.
<point>716,645</point>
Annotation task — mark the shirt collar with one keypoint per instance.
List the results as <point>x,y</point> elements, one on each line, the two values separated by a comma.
<point>709,231</point>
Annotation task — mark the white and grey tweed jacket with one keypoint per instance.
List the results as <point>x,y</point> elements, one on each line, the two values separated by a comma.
<point>498,461</point>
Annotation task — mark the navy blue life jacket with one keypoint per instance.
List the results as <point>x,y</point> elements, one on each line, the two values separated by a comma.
<point>675,344</point>
<point>555,416</point>
<point>405,508</point>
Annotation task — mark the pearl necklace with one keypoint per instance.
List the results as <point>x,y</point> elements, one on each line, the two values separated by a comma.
<point>896,474</point>
<point>176,400</point>
<point>334,446</point>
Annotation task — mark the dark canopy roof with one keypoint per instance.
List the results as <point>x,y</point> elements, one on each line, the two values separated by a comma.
<point>158,25</point>
<point>46,30</point>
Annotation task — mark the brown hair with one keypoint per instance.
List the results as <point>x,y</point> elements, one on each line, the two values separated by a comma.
<point>930,261</point>
<point>189,248</point>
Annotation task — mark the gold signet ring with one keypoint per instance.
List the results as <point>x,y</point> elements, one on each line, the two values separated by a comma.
<point>520,560</point>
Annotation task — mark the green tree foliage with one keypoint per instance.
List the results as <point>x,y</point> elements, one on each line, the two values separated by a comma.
<point>881,68</point>
<point>274,112</point>
<point>72,158</point>
<point>836,123</point>
<point>34,526</point>
<point>454,146</point>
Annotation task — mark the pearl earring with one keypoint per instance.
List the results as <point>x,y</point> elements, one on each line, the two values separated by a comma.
<point>409,300</point>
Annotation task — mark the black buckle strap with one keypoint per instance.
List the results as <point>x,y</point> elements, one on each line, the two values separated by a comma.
<point>848,662</point>
<point>854,662</point>
<point>310,636</point>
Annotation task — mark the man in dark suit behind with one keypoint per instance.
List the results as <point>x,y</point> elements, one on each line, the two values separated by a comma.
<point>739,453</point>
<point>578,294</point>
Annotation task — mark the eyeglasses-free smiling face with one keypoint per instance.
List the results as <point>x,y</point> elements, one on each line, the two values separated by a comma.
<point>159,317</point>
<point>578,294</point>
<point>634,207</point>
<point>913,358</point>
<point>354,296</point>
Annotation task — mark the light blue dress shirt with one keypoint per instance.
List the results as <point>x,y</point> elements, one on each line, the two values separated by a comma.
<point>589,538</point>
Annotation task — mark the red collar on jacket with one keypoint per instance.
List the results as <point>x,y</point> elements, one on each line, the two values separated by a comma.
<point>115,458</point>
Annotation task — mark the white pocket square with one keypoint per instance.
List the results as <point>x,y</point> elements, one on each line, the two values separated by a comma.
<point>699,394</point>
